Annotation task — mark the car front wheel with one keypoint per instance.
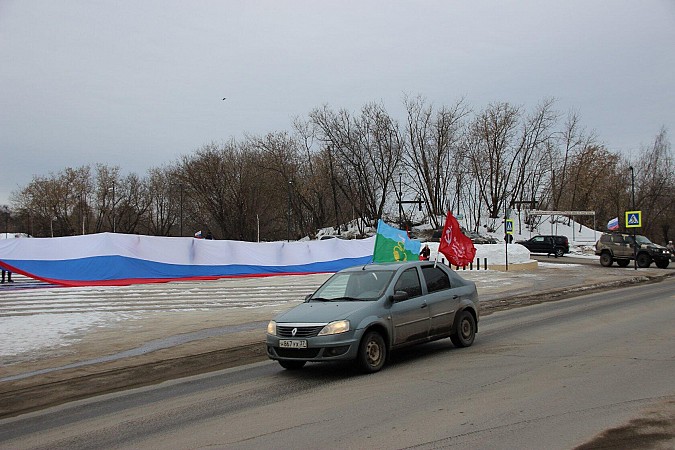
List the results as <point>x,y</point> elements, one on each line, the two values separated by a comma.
<point>662,264</point>
<point>644,260</point>
<point>465,332</point>
<point>372,352</point>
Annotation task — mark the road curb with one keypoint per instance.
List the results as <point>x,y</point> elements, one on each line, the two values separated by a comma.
<point>490,306</point>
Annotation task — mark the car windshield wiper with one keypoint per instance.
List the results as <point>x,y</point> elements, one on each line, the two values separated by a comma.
<point>320,299</point>
<point>345,299</point>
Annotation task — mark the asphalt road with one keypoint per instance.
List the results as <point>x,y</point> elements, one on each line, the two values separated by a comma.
<point>591,371</point>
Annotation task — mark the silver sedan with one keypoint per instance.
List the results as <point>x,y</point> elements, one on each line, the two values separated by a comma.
<point>364,312</point>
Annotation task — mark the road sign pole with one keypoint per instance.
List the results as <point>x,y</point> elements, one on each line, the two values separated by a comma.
<point>634,220</point>
<point>508,233</point>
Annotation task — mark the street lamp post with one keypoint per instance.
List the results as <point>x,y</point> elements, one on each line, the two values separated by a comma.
<point>112,209</point>
<point>83,201</point>
<point>632,188</point>
<point>288,232</point>
<point>400,199</point>
<point>181,209</point>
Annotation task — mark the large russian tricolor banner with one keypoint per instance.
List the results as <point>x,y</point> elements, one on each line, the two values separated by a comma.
<point>122,259</point>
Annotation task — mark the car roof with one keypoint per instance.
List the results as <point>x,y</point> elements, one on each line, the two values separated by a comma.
<point>391,266</point>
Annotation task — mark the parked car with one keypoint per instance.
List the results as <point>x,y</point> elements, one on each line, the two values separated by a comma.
<point>549,244</point>
<point>475,237</point>
<point>363,313</point>
<point>478,238</point>
<point>619,247</point>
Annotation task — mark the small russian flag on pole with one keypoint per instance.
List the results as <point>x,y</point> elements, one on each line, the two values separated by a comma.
<point>613,224</point>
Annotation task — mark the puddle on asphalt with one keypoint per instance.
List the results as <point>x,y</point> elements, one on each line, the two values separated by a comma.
<point>152,346</point>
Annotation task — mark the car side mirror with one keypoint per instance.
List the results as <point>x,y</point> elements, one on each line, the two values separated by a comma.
<point>399,296</point>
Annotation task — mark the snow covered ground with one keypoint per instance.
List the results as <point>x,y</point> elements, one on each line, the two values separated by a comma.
<point>37,316</point>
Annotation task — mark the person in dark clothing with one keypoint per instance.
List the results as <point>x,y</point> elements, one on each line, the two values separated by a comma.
<point>424,254</point>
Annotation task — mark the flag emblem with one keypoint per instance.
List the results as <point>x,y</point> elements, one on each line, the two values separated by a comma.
<point>393,245</point>
<point>458,248</point>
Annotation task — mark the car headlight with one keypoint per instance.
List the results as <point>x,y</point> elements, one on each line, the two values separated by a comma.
<point>272,328</point>
<point>337,327</point>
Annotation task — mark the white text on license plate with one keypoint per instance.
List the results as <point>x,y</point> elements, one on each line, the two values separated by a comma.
<point>293,343</point>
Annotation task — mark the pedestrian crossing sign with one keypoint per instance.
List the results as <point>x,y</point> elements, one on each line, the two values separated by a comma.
<point>509,226</point>
<point>633,219</point>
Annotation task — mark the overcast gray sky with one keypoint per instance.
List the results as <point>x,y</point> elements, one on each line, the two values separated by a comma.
<point>140,83</point>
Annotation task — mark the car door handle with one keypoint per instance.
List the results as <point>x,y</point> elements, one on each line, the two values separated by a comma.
<point>424,305</point>
<point>455,297</point>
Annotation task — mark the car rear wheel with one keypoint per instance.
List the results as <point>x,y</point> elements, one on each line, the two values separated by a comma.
<point>372,352</point>
<point>623,262</point>
<point>465,331</point>
<point>559,252</point>
<point>292,365</point>
<point>606,259</point>
<point>644,260</point>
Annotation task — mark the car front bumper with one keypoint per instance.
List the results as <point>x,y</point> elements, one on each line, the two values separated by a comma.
<point>337,347</point>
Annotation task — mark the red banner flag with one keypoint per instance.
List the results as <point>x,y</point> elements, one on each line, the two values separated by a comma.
<point>458,248</point>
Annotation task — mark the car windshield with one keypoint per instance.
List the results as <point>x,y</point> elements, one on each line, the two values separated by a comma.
<point>354,286</point>
<point>642,240</point>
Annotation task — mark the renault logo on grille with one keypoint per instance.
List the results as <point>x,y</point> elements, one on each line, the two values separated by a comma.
<point>294,331</point>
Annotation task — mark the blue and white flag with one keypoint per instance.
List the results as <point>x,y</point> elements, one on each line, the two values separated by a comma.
<point>115,259</point>
<point>613,224</point>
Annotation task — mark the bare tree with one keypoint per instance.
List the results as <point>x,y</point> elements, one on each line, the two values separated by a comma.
<point>534,147</point>
<point>130,211</point>
<point>367,152</point>
<point>206,175</point>
<point>433,152</point>
<point>164,209</point>
<point>655,187</point>
<point>492,149</point>
<point>505,150</point>
<point>105,197</point>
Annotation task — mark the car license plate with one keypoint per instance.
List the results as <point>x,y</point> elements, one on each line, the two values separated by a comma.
<point>293,343</point>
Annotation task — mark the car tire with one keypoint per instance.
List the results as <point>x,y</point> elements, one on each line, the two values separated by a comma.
<point>644,260</point>
<point>623,262</point>
<point>465,331</point>
<point>559,252</point>
<point>292,365</point>
<point>372,352</point>
<point>606,259</point>
<point>662,264</point>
